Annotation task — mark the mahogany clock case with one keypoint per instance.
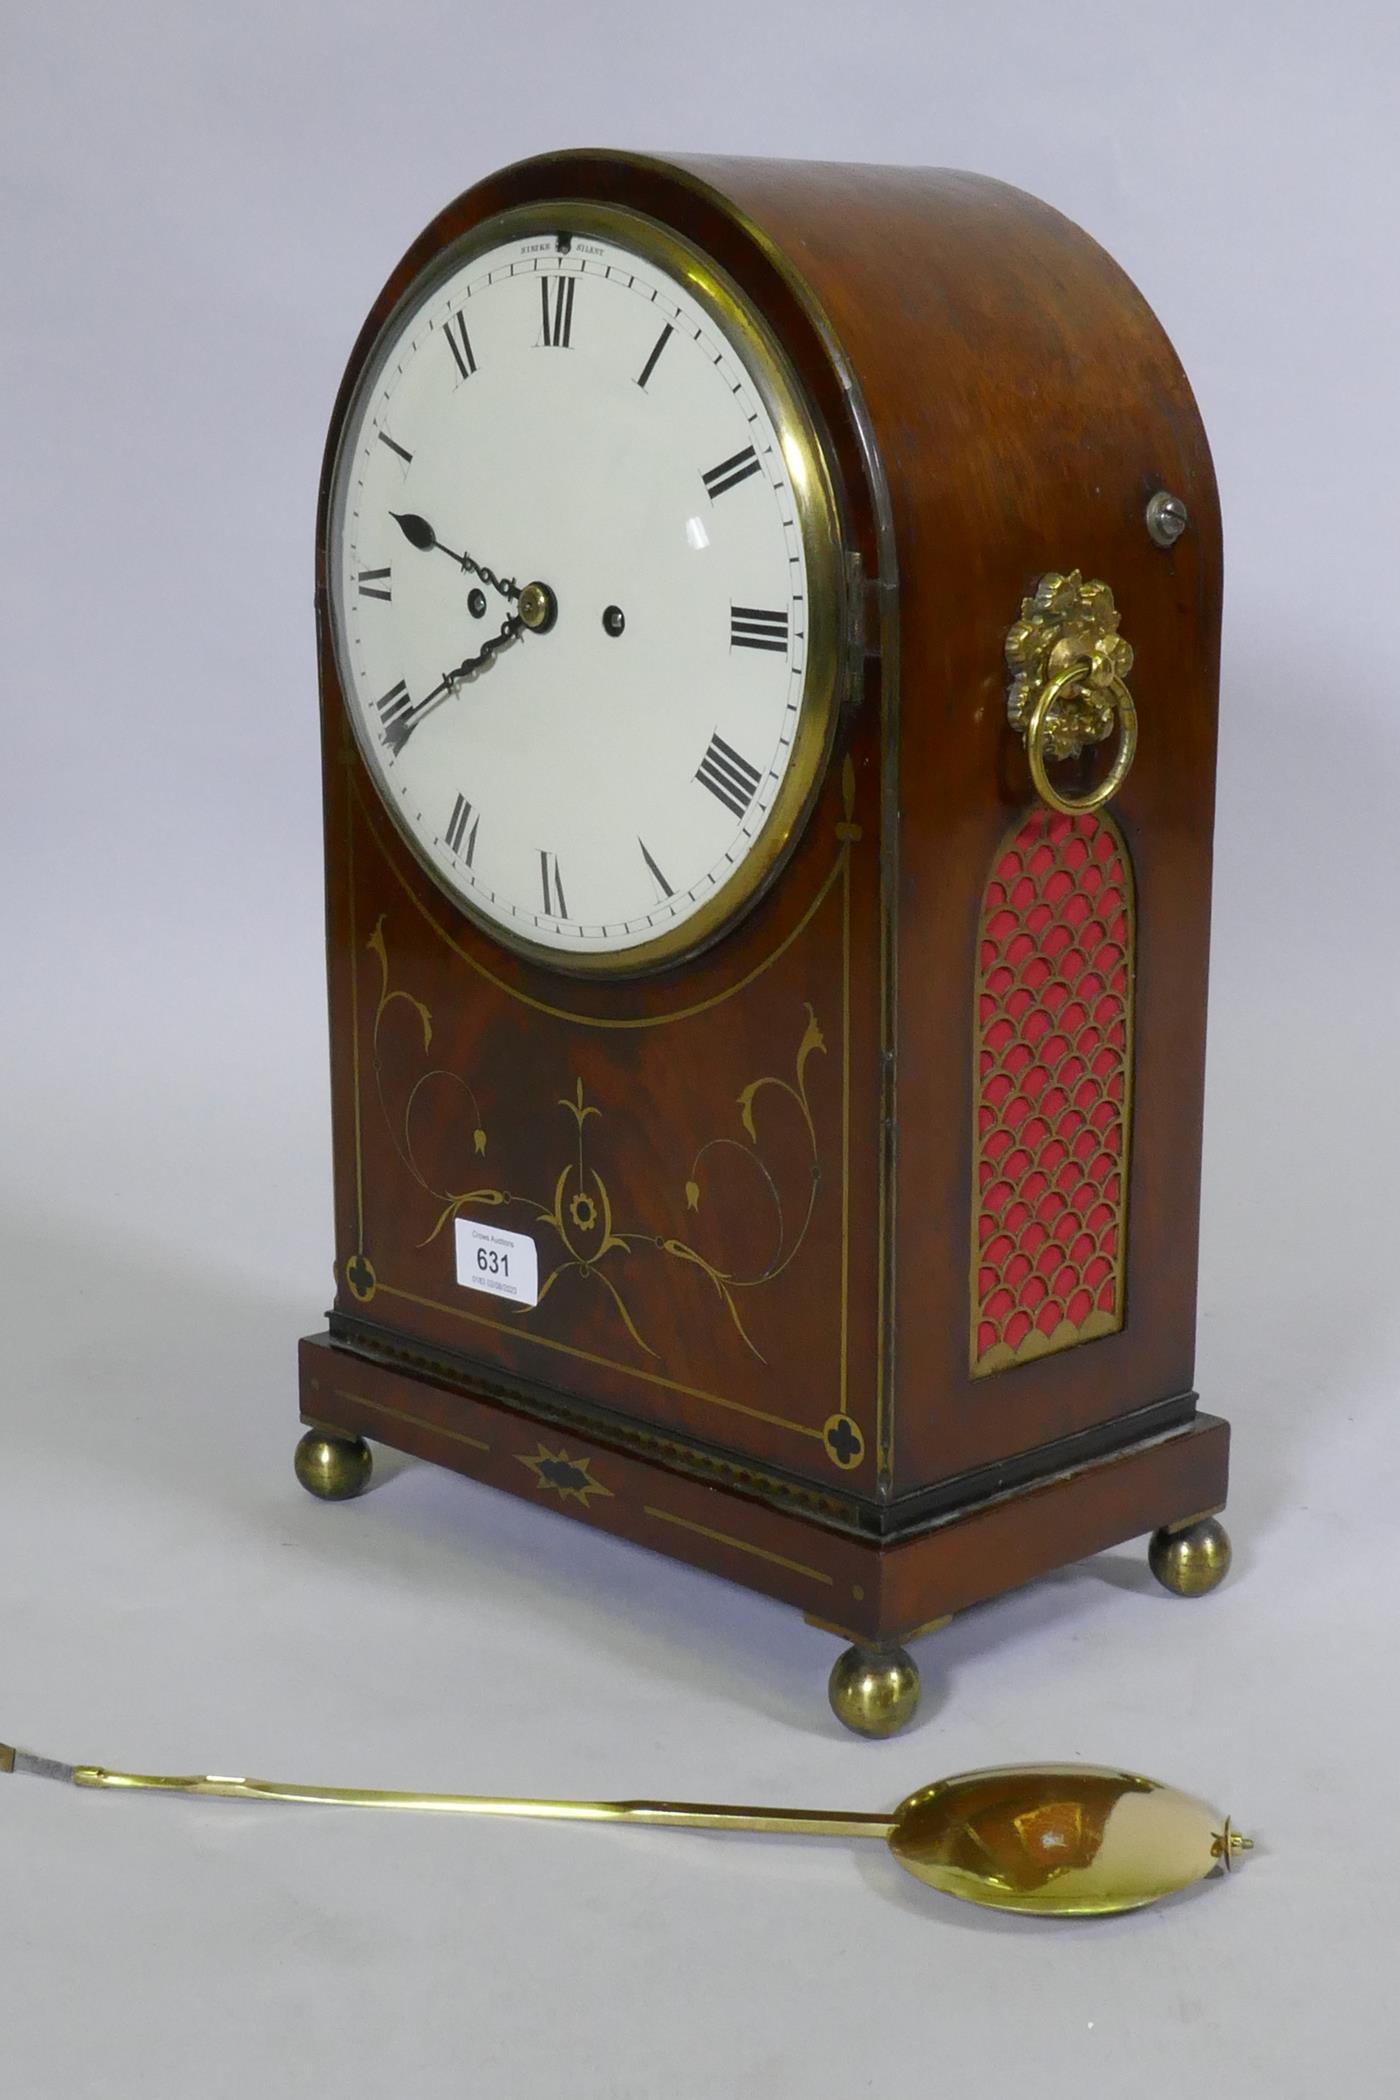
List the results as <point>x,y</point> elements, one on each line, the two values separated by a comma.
<point>759,1180</point>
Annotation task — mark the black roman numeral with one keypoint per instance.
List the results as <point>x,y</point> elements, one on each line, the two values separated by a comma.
<point>665,885</point>
<point>728,776</point>
<point>730,472</point>
<point>657,347</point>
<point>460,344</point>
<point>385,439</point>
<point>749,628</point>
<point>393,706</point>
<point>553,887</point>
<point>457,828</point>
<point>374,583</point>
<point>558,324</point>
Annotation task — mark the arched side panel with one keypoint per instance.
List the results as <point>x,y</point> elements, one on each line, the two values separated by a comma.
<point>1052,1090</point>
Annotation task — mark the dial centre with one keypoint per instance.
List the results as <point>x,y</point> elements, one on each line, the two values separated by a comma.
<point>538,607</point>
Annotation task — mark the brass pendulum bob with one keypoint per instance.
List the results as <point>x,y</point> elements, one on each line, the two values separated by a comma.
<point>1063,1840</point>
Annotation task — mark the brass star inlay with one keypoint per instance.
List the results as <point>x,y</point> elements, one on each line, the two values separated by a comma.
<point>569,1478</point>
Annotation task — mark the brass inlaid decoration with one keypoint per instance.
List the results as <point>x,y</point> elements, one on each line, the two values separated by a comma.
<point>1069,664</point>
<point>844,1443</point>
<point>748,1475</point>
<point>579,1211</point>
<point>847,835</point>
<point>1052,1089</point>
<point>727,1538</point>
<point>360,1278</point>
<point>569,1478</point>
<point>728,1282</point>
<point>400,1414</point>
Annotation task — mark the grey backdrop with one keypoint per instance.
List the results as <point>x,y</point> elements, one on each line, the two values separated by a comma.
<point>198,206</point>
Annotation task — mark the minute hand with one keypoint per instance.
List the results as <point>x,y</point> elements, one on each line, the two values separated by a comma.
<point>399,732</point>
<point>419,533</point>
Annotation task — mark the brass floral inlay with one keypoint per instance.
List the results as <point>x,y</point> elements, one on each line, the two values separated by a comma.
<point>579,1211</point>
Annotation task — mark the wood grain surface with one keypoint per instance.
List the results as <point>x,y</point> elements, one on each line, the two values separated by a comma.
<point>998,401</point>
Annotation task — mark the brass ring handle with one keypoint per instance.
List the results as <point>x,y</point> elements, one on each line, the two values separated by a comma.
<point>1039,722</point>
<point>1069,666</point>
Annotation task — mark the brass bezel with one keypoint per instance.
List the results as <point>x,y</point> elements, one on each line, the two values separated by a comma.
<point>824,545</point>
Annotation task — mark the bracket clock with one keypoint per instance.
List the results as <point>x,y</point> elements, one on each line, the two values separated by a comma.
<point>768,620</point>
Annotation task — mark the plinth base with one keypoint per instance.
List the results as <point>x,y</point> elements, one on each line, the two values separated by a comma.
<point>875,1591</point>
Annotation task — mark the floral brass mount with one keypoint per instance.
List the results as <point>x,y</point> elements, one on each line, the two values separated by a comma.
<point>1069,665</point>
<point>579,1211</point>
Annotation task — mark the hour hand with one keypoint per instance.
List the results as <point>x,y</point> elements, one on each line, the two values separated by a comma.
<point>400,727</point>
<point>419,533</point>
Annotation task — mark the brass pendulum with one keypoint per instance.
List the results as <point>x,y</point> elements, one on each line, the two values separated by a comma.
<point>1067,1840</point>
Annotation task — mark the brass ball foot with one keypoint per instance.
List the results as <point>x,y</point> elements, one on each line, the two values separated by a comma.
<point>333,1467</point>
<point>1192,1560</point>
<point>874,1691</point>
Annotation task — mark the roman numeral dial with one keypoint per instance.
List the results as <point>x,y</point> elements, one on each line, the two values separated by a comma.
<point>573,602</point>
<point>660,880</point>
<point>393,705</point>
<point>728,775</point>
<point>460,838</point>
<point>460,344</point>
<point>730,472</point>
<point>751,629</point>
<point>654,355</point>
<point>557,311</point>
<point>552,884</point>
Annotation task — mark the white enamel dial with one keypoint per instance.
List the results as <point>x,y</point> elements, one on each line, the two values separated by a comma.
<point>582,411</point>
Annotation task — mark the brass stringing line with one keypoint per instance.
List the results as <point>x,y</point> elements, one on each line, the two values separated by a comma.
<point>644,1441</point>
<point>724,1282</point>
<point>887,576</point>
<point>887,933</point>
<point>387,998</point>
<point>725,1538</point>
<point>615,1294</point>
<point>404,1147</point>
<point>410,1159</point>
<point>454,1203</point>
<point>848,787</point>
<point>840,867</point>
<point>560,1013</point>
<point>607,1363</point>
<point>729,1144</point>
<point>587,1262</point>
<point>396,1414</point>
<point>355,1020</point>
